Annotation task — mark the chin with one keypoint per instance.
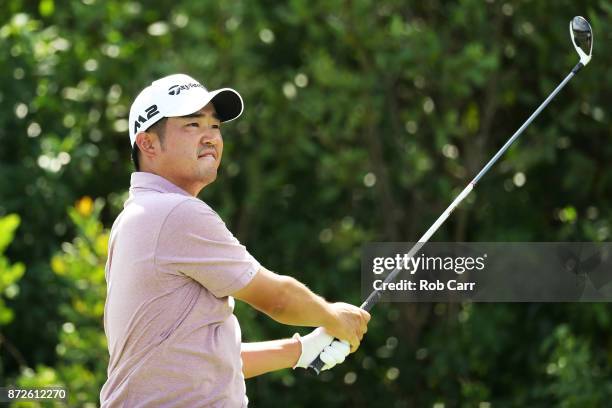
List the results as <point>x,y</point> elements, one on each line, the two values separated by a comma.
<point>209,177</point>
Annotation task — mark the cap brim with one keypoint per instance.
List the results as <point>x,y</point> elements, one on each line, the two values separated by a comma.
<point>228,104</point>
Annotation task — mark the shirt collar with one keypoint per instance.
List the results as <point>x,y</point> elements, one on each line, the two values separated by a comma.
<point>142,181</point>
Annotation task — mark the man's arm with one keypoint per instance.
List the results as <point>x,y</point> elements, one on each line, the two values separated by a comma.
<point>288,301</point>
<point>263,357</point>
<point>260,358</point>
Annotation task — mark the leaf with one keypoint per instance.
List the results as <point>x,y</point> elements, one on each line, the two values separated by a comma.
<point>8,225</point>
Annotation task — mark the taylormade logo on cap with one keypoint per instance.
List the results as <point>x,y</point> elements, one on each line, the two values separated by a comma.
<point>176,89</point>
<point>179,95</point>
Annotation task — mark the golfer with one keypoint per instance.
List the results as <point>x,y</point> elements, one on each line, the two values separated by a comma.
<point>174,269</point>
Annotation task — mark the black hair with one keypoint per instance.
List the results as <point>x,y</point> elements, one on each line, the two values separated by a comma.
<point>159,128</point>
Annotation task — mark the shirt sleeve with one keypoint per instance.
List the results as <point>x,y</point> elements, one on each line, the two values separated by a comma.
<point>194,241</point>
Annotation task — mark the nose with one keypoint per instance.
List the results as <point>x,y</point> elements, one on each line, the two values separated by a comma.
<point>211,141</point>
<point>210,136</point>
<point>208,144</point>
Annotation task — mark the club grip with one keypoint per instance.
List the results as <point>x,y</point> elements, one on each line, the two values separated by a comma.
<point>317,365</point>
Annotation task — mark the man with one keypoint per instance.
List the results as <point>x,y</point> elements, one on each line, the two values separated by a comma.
<point>174,269</point>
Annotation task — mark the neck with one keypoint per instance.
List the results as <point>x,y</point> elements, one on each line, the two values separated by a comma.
<point>193,188</point>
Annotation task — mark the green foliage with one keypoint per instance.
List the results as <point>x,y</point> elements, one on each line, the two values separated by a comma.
<point>9,273</point>
<point>578,380</point>
<point>81,350</point>
<point>363,120</point>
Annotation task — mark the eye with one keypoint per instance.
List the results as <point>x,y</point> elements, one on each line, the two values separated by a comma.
<point>194,124</point>
<point>216,127</point>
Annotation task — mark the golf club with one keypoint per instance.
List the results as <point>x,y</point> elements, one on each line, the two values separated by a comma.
<point>582,38</point>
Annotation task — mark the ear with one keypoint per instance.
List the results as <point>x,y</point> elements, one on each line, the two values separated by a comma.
<point>148,143</point>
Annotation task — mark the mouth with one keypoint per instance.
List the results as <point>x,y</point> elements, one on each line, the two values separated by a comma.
<point>208,153</point>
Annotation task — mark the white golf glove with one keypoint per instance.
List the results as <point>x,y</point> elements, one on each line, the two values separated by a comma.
<point>318,342</point>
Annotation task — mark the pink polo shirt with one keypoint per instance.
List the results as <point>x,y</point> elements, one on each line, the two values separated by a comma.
<point>172,336</point>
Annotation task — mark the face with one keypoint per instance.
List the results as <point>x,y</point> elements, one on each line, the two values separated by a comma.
<point>191,152</point>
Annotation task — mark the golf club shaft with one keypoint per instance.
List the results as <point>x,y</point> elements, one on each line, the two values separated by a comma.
<point>373,298</point>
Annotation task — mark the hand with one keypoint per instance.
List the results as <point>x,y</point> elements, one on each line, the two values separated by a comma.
<point>348,323</point>
<point>318,343</point>
<point>335,353</point>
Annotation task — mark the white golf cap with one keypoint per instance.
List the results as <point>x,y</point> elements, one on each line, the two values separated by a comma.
<point>179,95</point>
